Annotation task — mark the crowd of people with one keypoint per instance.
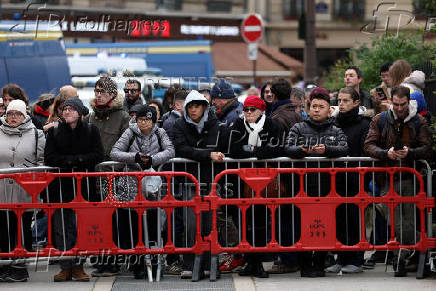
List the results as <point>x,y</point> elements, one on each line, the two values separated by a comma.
<point>206,125</point>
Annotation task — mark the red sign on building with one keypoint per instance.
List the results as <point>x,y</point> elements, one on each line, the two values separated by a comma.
<point>140,28</point>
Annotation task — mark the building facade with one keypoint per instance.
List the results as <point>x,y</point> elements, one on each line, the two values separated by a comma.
<point>340,24</point>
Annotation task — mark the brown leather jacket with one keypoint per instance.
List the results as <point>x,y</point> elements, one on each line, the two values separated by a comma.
<point>415,135</point>
<point>285,116</point>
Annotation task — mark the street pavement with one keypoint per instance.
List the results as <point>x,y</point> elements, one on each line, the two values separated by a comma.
<point>377,279</point>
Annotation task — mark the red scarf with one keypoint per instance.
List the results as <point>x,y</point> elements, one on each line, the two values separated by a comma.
<point>104,106</point>
<point>40,110</point>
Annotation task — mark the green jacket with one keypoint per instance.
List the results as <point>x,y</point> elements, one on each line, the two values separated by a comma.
<point>111,122</point>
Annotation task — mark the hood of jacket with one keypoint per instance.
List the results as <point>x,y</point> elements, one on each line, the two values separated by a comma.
<point>23,127</point>
<point>413,109</point>
<point>116,104</point>
<point>417,78</point>
<point>196,96</point>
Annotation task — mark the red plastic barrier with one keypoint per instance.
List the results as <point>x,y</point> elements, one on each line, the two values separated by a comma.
<point>95,227</point>
<point>94,219</point>
<point>322,221</point>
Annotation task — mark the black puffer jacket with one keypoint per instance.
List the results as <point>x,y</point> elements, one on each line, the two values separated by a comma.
<point>80,148</point>
<point>269,135</point>
<point>190,144</point>
<point>356,128</point>
<point>310,133</point>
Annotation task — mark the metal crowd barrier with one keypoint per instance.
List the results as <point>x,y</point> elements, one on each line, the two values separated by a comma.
<point>228,218</point>
<point>229,193</point>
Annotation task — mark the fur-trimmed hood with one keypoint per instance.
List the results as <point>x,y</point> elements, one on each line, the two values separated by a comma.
<point>116,104</point>
<point>334,111</point>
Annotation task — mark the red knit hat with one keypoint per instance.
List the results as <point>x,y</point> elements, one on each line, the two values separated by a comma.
<point>255,101</point>
<point>320,93</point>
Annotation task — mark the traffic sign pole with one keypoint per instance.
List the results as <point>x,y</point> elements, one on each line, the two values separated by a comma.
<point>252,30</point>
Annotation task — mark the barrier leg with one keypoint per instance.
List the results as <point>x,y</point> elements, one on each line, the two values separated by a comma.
<point>421,265</point>
<point>160,263</point>
<point>160,259</point>
<point>198,262</point>
<point>213,268</point>
<point>147,245</point>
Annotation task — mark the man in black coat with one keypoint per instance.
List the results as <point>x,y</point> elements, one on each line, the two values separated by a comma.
<point>282,109</point>
<point>201,137</point>
<point>355,126</point>
<point>176,113</point>
<point>316,136</point>
<point>73,145</point>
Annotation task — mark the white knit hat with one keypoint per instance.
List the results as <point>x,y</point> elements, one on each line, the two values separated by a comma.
<point>17,105</point>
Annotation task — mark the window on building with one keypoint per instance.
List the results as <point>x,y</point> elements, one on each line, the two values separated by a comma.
<point>293,9</point>
<point>219,6</point>
<point>169,4</point>
<point>350,9</point>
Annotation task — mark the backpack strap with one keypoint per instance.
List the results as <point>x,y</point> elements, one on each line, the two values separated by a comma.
<point>159,139</point>
<point>35,131</point>
<point>382,121</point>
<point>133,139</point>
<point>383,117</point>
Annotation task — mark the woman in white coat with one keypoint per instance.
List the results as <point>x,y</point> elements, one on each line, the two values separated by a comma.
<point>21,146</point>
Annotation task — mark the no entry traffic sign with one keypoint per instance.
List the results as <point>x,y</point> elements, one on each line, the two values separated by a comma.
<point>252,28</point>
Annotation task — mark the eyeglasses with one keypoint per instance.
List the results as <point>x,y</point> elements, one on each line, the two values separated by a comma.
<point>142,120</point>
<point>133,91</point>
<point>99,91</point>
<point>14,114</point>
<point>251,109</point>
<point>68,109</point>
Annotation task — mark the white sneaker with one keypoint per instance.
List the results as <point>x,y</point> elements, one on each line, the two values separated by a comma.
<point>351,269</point>
<point>334,269</point>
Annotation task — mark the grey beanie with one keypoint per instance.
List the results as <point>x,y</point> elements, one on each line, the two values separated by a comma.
<point>77,104</point>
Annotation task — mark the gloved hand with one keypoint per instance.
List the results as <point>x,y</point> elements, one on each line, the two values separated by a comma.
<point>147,162</point>
<point>138,157</point>
<point>144,161</point>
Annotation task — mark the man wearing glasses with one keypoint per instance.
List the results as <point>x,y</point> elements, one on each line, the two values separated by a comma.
<point>111,120</point>
<point>108,115</point>
<point>132,92</point>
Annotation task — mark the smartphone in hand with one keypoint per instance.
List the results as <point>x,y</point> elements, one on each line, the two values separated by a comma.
<point>381,93</point>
